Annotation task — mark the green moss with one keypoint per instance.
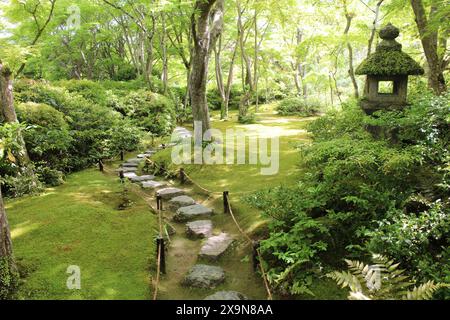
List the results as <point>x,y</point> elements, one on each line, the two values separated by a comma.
<point>8,278</point>
<point>389,63</point>
<point>79,224</point>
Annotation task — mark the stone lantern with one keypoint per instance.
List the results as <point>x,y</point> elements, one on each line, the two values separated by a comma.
<point>387,72</point>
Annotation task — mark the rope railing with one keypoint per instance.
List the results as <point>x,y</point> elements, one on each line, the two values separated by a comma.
<point>160,240</point>
<point>263,272</point>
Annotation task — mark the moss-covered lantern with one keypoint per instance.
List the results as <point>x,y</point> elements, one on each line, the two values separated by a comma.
<point>387,72</point>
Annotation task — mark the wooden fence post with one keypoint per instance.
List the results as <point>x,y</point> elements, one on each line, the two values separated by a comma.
<point>100,165</point>
<point>159,203</point>
<point>182,176</point>
<point>122,177</point>
<point>161,252</point>
<point>226,208</point>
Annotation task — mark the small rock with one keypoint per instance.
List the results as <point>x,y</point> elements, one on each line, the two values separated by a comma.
<point>215,247</point>
<point>192,212</point>
<point>226,295</point>
<point>153,184</point>
<point>142,178</point>
<point>181,201</point>
<point>169,193</point>
<point>141,156</point>
<point>199,229</point>
<point>203,276</point>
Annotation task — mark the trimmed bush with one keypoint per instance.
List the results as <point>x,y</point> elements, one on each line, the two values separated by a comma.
<point>297,106</point>
<point>151,111</point>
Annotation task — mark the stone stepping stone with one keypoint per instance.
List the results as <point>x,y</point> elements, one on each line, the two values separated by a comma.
<point>135,160</point>
<point>127,170</point>
<point>215,247</point>
<point>203,276</point>
<point>130,165</point>
<point>193,212</point>
<point>142,178</point>
<point>226,295</point>
<point>169,193</point>
<point>130,175</point>
<point>199,229</point>
<point>181,201</point>
<point>141,156</point>
<point>153,184</point>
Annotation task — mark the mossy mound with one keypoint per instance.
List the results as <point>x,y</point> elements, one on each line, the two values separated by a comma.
<point>389,63</point>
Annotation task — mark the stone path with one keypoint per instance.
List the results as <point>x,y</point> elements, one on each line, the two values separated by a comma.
<point>185,209</point>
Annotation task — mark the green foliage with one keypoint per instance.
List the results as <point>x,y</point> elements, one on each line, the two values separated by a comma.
<point>363,192</point>
<point>382,281</point>
<point>249,118</point>
<point>151,111</point>
<point>297,106</point>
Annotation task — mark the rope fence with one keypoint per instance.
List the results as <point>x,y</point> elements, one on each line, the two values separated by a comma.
<point>160,245</point>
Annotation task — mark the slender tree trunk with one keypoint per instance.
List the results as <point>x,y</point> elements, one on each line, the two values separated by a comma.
<point>429,38</point>
<point>207,24</point>
<point>8,269</point>
<point>8,110</point>
<point>255,64</point>
<point>165,73</point>
<point>351,71</point>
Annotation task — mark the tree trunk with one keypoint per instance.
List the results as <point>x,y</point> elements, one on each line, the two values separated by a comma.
<point>8,269</point>
<point>351,70</point>
<point>429,40</point>
<point>165,73</point>
<point>207,24</point>
<point>8,111</point>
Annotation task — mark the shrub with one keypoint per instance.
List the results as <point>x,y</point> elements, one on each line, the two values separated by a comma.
<point>248,119</point>
<point>50,177</point>
<point>297,106</point>
<point>151,111</point>
<point>90,90</point>
<point>359,194</point>
<point>48,139</point>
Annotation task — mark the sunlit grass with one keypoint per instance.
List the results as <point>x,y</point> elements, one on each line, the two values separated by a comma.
<point>79,224</point>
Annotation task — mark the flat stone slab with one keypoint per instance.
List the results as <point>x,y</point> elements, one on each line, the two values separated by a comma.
<point>226,295</point>
<point>130,165</point>
<point>216,246</point>
<point>153,184</point>
<point>135,160</point>
<point>181,201</point>
<point>127,170</point>
<point>141,156</point>
<point>130,175</point>
<point>199,229</point>
<point>203,276</point>
<point>169,193</point>
<point>192,212</point>
<point>142,178</point>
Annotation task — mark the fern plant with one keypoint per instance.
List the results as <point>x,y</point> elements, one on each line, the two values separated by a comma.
<point>382,280</point>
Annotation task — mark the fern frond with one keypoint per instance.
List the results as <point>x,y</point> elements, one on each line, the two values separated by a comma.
<point>346,279</point>
<point>424,291</point>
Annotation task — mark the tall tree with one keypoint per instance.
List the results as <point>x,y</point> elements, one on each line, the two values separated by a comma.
<point>8,111</point>
<point>351,71</point>
<point>207,25</point>
<point>430,43</point>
